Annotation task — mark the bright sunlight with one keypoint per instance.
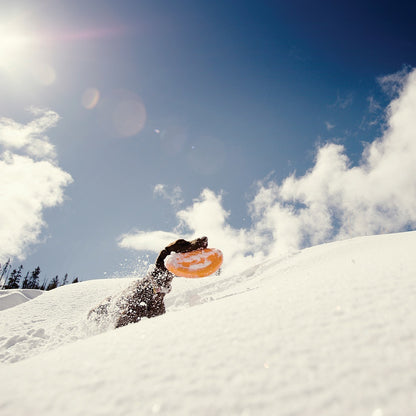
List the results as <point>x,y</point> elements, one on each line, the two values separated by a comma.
<point>14,46</point>
<point>19,57</point>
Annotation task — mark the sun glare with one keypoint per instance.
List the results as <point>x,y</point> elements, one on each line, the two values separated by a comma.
<point>14,46</point>
<point>12,40</point>
<point>20,59</point>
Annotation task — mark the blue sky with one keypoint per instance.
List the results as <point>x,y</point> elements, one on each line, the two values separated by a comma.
<point>189,95</point>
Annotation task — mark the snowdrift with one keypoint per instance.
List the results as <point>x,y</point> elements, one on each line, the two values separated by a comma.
<point>13,297</point>
<point>330,330</point>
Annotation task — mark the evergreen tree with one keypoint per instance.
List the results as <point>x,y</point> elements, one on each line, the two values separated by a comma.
<point>53,284</point>
<point>9,283</point>
<point>10,279</point>
<point>14,279</point>
<point>4,271</point>
<point>34,279</point>
<point>65,279</point>
<point>44,283</point>
<point>25,283</point>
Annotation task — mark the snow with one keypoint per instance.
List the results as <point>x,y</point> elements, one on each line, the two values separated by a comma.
<point>330,330</point>
<point>13,297</point>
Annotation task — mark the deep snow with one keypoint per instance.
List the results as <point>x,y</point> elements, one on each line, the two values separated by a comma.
<point>330,330</point>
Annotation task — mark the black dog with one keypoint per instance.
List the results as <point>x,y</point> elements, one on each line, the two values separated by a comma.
<point>145,298</point>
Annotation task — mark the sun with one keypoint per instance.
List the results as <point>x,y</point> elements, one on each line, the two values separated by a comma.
<point>15,45</point>
<point>21,56</point>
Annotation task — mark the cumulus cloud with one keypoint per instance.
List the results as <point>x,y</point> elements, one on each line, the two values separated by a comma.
<point>333,200</point>
<point>30,181</point>
<point>206,216</point>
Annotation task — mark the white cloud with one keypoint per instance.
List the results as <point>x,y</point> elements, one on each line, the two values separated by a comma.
<point>393,84</point>
<point>206,216</point>
<point>147,240</point>
<point>29,181</point>
<point>333,200</point>
<point>29,137</point>
<point>174,196</point>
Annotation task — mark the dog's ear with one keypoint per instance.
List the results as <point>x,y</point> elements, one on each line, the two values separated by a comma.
<point>179,245</point>
<point>183,246</point>
<point>179,242</point>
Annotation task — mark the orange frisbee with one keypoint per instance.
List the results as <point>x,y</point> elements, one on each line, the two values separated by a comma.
<point>197,263</point>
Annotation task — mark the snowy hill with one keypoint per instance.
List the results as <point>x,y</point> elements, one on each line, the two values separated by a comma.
<point>13,297</point>
<point>330,330</point>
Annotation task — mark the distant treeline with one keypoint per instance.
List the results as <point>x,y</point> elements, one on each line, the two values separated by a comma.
<point>11,278</point>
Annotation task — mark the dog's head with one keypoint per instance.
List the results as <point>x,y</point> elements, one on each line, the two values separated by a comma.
<point>183,246</point>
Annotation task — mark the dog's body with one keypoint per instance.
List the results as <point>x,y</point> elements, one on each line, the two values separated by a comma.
<point>145,298</point>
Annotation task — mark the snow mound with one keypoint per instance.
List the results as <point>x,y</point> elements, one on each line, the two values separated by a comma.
<point>328,331</point>
<point>56,318</point>
<point>13,297</point>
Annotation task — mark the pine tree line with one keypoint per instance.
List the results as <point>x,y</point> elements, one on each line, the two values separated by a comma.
<point>13,279</point>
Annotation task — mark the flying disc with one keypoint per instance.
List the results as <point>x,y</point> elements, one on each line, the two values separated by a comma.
<point>197,263</point>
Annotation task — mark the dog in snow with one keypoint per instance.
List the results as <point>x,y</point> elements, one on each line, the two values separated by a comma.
<point>145,298</point>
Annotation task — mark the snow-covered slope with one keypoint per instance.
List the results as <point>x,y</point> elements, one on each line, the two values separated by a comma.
<point>330,330</point>
<point>13,297</point>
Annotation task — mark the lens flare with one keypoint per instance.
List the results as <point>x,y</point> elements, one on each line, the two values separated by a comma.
<point>129,116</point>
<point>121,113</point>
<point>90,98</point>
<point>15,44</point>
